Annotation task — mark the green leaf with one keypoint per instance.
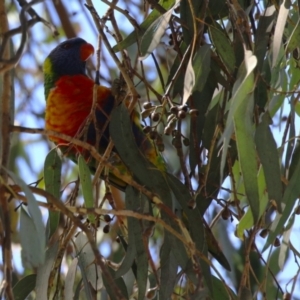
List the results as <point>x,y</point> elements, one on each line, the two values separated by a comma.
<point>24,287</point>
<point>223,47</point>
<point>70,279</point>
<point>247,221</point>
<point>144,172</point>
<point>268,155</point>
<point>132,200</point>
<point>196,226</point>
<point>187,18</point>
<point>52,174</point>
<point>90,272</point>
<point>169,266</point>
<point>290,195</point>
<point>240,114</point>
<point>154,33</point>
<point>43,272</point>
<point>247,153</point>
<point>294,40</point>
<point>136,35</point>
<point>87,187</point>
<point>279,29</point>
<point>265,26</point>
<point>179,79</point>
<point>128,260</point>
<point>284,247</point>
<point>220,292</point>
<point>32,250</point>
<point>32,221</point>
<point>189,81</point>
<point>243,85</point>
<point>119,283</point>
<point>201,66</point>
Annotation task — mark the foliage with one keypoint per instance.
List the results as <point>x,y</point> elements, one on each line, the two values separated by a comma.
<point>217,85</point>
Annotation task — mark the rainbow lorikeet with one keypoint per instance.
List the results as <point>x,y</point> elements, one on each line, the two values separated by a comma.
<point>69,97</point>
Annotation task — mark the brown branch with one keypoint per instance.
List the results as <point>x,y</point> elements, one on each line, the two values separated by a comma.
<point>10,62</point>
<point>123,70</point>
<point>64,19</point>
<point>6,113</point>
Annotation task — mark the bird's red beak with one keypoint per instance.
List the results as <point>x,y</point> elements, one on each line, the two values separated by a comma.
<point>86,51</point>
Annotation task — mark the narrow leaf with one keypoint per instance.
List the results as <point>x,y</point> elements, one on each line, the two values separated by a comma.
<point>134,36</point>
<point>223,47</point>
<point>280,25</point>
<point>70,278</point>
<point>87,187</point>
<point>154,33</point>
<point>168,273</point>
<point>189,81</point>
<point>32,250</point>
<point>242,87</point>
<point>284,247</point>
<point>132,198</point>
<point>52,173</point>
<point>262,36</point>
<point>201,67</point>
<point>91,273</point>
<point>247,221</point>
<point>290,195</point>
<point>195,225</point>
<point>294,40</point>
<point>44,271</point>
<point>33,221</point>
<point>24,287</point>
<point>268,154</point>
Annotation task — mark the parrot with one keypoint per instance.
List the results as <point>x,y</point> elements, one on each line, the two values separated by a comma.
<point>69,99</point>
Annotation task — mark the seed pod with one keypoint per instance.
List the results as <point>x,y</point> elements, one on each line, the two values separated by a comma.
<point>168,130</point>
<point>276,242</point>
<point>146,129</point>
<point>192,204</point>
<point>186,142</point>
<point>153,134</point>
<point>194,112</point>
<point>170,118</point>
<point>176,142</point>
<point>174,132</point>
<point>147,105</point>
<point>161,147</point>
<point>225,213</point>
<point>155,116</point>
<point>151,294</point>
<point>174,109</point>
<point>106,228</point>
<point>287,296</point>
<point>264,233</point>
<point>181,114</point>
<point>183,107</point>
<point>173,123</point>
<point>146,113</point>
<point>107,218</point>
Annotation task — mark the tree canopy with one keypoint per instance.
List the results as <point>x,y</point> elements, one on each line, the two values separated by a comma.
<point>216,85</point>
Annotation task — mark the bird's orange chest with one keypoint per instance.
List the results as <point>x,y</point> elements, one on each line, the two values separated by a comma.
<point>68,105</point>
